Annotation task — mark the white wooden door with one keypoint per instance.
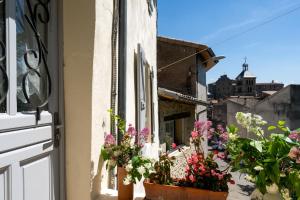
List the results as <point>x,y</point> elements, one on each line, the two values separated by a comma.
<point>29,108</point>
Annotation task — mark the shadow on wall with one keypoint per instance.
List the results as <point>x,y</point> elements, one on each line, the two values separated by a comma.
<point>96,180</point>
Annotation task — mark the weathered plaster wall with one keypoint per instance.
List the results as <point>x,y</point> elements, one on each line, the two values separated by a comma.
<point>101,92</point>
<point>283,105</point>
<point>87,77</point>
<point>141,28</point>
<point>78,37</point>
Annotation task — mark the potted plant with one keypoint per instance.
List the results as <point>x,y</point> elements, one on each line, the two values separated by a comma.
<point>126,156</point>
<point>271,161</point>
<point>203,180</point>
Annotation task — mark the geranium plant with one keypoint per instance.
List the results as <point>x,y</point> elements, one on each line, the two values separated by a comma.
<point>270,160</point>
<point>200,172</point>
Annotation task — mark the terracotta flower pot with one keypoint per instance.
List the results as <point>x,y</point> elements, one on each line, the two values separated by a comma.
<point>125,192</point>
<point>168,192</point>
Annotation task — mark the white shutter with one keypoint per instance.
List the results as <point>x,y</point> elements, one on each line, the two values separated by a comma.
<point>141,90</point>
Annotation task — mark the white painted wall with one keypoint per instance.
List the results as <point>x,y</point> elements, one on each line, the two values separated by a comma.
<point>87,78</point>
<point>141,28</point>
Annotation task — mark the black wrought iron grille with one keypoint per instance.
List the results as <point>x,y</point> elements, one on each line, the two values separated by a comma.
<point>36,14</point>
<point>3,75</point>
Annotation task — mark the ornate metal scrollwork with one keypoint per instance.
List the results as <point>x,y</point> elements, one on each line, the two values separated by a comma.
<point>4,77</point>
<point>37,12</point>
<point>2,69</point>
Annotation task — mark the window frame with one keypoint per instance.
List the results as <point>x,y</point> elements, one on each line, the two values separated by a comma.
<point>12,119</point>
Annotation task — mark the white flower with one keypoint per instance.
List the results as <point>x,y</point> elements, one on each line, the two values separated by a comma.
<point>127,180</point>
<point>249,178</point>
<point>273,189</point>
<point>232,136</point>
<point>286,194</point>
<point>251,122</point>
<point>148,166</point>
<point>117,153</point>
<point>128,167</point>
<point>258,168</point>
<point>141,170</point>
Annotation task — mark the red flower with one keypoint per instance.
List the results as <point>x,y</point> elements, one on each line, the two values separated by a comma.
<point>174,146</point>
<point>194,134</point>
<point>192,178</point>
<point>232,181</point>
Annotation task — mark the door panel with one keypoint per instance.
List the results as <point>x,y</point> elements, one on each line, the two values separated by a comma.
<point>37,187</point>
<point>31,173</point>
<point>4,184</point>
<point>16,139</point>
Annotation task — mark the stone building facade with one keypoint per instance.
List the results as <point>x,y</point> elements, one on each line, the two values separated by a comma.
<point>282,105</point>
<point>182,87</point>
<point>243,85</point>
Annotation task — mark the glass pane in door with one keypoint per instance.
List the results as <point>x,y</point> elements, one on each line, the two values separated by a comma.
<point>3,75</point>
<point>33,79</point>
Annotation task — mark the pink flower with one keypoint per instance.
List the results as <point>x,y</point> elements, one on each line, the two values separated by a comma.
<point>199,124</point>
<point>220,176</point>
<point>192,178</point>
<point>294,135</point>
<point>194,134</point>
<point>221,155</point>
<point>220,128</point>
<point>295,154</point>
<point>187,169</point>
<point>224,136</point>
<point>213,172</point>
<point>209,124</point>
<point>131,130</point>
<point>174,146</point>
<point>109,140</point>
<point>145,133</point>
<point>195,158</point>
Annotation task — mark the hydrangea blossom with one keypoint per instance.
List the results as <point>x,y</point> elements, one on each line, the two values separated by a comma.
<point>131,130</point>
<point>109,140</point>
<point>251,122</point>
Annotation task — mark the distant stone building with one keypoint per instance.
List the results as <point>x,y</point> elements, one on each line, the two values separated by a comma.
<point>268,87</point>
<point>243,85</point>
<point>281,105</point>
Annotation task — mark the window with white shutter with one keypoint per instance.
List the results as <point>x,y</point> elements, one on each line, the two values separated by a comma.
<point>144,93</point>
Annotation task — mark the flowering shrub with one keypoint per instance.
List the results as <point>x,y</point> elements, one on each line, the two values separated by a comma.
<point>130,146</point>
<point>269,161</point>
<point>217,138</point>
<point>200,172</point>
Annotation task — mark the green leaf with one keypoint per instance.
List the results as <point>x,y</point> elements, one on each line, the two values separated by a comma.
<point>271,128</point>
<point>281,123</point>
<point>268,160</point>
<point>232,129</point>
<point>105,154</point>
<point>257,145</point>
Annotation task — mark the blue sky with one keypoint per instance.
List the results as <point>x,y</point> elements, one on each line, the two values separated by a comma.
<point>273,49</point>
